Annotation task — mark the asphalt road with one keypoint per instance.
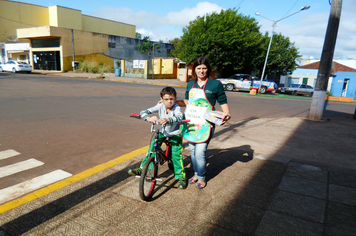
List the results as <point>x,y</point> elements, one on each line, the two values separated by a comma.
<point>74,124</point>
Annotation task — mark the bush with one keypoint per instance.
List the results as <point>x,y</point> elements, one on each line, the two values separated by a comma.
<point>94,67</point>
<point>328,93</point>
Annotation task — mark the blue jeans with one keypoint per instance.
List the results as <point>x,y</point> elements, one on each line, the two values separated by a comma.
<point>197,152</point>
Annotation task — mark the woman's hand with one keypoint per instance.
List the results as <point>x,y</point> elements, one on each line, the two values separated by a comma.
<point>226,110</point>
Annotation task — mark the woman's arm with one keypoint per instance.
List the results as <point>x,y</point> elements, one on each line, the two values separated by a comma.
<point>182,103</point>
<point>226,109</point>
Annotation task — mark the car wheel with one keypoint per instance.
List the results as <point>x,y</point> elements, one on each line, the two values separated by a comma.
<point>14,70</point>
<point>294,93</point>
<point>263,90</point>
<point>311,94</point>
<point>230,87</point>
<point>224,86</point>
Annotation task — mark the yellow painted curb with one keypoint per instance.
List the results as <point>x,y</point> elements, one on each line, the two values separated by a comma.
<point>75,178</point>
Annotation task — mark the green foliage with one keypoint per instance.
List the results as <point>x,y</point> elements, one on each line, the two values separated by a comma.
<point>94,67</point>
<point>328,93</point>
<point>175,43</point>
<point>283,56</point>
<point>147,45</point>
<point>233,43</point>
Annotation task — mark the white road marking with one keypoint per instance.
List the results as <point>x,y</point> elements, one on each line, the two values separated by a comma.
<point>18,190</point>
<point>18,167</point>
<point>8,153</point>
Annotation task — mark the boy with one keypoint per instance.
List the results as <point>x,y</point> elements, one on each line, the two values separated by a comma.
<point>170,115</point>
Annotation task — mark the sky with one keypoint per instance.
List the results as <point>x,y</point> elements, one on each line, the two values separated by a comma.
<point>165,20</point>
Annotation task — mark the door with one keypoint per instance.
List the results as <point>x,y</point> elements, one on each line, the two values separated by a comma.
<point>305,81</point>
<point>345,87</point>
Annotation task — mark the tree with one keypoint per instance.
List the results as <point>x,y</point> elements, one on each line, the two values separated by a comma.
<point>175,43</point>
<point>147,45</point>
<point>232,42</point>
<point>282,58</point>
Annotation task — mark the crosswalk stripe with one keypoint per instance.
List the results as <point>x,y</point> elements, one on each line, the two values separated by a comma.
<point>18,190</point>
<point>8,153</point>
<point>18,167</point>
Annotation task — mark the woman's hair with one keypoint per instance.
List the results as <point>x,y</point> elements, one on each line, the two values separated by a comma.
<point>200,61</point>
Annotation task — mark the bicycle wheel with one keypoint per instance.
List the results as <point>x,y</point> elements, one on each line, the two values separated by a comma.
<point>148,179</point>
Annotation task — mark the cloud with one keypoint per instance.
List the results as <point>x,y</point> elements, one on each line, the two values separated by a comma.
<point>306,30</point>
<point>158,27</point>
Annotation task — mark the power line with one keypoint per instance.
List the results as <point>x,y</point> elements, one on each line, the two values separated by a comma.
<point>291,7</point>
<point>239,3</point>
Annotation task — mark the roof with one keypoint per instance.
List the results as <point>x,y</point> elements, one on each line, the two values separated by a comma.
<point>335,67</point>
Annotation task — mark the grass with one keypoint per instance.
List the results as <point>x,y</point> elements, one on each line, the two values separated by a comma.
<point>94,67</point>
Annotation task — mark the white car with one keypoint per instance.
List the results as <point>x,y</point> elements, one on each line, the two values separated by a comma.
<point>15,66</point>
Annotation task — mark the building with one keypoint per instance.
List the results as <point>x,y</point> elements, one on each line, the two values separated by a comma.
<point>341,83</point>
<point>58,35</point>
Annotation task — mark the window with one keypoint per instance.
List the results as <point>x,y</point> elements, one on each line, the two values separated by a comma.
<point>23,57</point>
<point>112,45</point>
<point>45,43</point>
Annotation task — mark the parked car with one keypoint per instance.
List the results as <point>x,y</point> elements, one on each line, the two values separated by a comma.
<point>245,82</point>
<point>298,89</point>
<point>16,66</point>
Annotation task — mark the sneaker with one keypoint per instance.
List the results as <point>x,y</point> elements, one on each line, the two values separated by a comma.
<point>135,171</point>
<point>182,183</point>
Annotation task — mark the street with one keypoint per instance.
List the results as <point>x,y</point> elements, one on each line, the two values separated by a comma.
<point>68,125</point>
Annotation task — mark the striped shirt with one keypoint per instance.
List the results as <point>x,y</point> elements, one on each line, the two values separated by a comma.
<point>175,116</point>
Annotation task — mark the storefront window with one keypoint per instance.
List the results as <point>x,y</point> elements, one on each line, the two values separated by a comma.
<point>47,60</point>
<point>46,43</point>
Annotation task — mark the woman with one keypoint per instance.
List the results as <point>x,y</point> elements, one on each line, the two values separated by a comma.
<point>202,92</point>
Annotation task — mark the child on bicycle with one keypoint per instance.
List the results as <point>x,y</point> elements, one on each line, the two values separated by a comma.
<point>170,116</point>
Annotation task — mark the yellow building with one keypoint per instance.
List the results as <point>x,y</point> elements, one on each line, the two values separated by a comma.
<point>57,34</point>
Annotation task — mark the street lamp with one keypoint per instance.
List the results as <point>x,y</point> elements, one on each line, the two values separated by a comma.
<point>153,58</point>
<point>270,41</point>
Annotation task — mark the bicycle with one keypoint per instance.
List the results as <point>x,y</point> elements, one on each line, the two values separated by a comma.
<point>158,156</point>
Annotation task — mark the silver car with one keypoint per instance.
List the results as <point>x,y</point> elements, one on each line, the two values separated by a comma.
<point>15,66</point>
<point>298,89</point>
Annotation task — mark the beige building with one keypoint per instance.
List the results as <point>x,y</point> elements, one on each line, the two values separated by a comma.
<point>57,34</point>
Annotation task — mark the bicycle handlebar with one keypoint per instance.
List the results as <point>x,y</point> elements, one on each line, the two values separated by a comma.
<point>137,116</point>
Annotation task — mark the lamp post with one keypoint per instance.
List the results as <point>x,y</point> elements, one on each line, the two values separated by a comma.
<point>153,58</point>
<point>270,41</point>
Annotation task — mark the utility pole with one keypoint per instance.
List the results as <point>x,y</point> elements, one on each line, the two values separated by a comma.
<point>318,101</point>
<point>73,51</point>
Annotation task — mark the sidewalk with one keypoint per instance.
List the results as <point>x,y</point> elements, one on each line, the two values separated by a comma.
<point>266,176</point>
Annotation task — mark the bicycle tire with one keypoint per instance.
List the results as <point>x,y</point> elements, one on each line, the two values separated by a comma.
<point>148,179</point>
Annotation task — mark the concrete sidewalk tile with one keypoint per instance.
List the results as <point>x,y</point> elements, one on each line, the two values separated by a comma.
<point>249,194</point>
<point>333,231</point>
<point>202,228</point>
<point>232,215</point>
<point>342,194</point>
<point>343,179</point>
<point>297,205</point>
<point>279,224</point>
<point>91,217</point>
<point>341,216</point>
<point>150,220</point>
<point>190,200</point>
<point>303,186</point>
<point>305,171</point>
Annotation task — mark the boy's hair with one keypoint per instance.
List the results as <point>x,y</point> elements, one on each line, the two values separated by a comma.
<point>169,91</point>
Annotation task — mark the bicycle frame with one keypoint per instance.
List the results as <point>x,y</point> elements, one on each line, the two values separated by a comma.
<point>155,158</point>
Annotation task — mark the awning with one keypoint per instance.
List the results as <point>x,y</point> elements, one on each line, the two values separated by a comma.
<point>17,51</point>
